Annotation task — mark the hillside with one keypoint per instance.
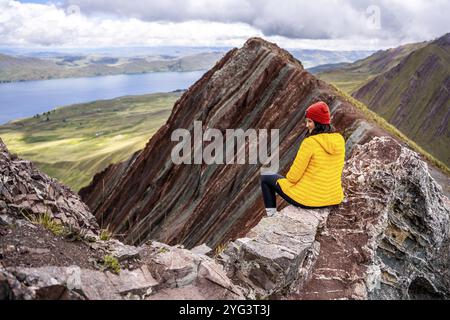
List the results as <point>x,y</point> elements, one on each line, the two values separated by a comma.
<point>351,76</point>
<point>415,97</point>
<point>78,141</point>
<point>30,68</point>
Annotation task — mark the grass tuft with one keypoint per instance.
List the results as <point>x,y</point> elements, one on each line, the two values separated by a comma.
<point>105,234</point>
<point>163,250</point>
<point>220,248</point>
<point>49,223</point>
<point>111,263</point>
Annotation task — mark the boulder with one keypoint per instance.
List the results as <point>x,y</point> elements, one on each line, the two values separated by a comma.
<point>276,255</point>
<point>389,239</point>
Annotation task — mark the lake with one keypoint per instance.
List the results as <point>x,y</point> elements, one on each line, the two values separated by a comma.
<point>25,99</point>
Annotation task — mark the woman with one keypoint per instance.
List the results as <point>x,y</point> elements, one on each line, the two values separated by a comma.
<point>314,179</point>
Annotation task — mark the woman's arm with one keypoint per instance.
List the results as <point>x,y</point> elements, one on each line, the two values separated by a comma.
<point>301,161</point>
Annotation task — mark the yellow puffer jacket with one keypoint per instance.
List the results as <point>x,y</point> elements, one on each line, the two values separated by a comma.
<point>314,178</point>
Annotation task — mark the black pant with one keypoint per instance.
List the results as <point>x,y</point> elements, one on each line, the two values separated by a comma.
<point>270,188</point>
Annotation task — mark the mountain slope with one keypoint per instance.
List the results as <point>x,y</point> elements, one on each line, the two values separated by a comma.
<point>415,97</point>
<point>350,77</point>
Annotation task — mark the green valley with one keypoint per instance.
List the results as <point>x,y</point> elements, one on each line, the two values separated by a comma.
<point>73,143</point>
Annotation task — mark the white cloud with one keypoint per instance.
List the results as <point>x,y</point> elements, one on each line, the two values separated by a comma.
<point>322,24</point>
<point>304,19</point>
<point>36,24</point>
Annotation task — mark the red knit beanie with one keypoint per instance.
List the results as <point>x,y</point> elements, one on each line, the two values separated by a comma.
<point>319,112</point>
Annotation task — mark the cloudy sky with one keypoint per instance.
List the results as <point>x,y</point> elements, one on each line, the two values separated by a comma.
<point>318,24</point>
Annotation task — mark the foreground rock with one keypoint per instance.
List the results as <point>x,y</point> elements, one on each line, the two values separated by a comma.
<point>276,256</point>
<point>62,256</point>
<point>390,239</point>
<point>164,272</point>
<point>27,192</point>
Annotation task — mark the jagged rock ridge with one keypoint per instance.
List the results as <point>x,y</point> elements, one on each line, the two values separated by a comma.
<point>25,191</point>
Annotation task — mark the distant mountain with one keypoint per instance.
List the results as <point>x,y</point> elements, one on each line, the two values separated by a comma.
<point>313,58</point>
<point>15,68</point>
<point>120,52</point>
<point>414,95</point>
<point>349,77</point>
<point>328,67</point>
<point>22,64</point>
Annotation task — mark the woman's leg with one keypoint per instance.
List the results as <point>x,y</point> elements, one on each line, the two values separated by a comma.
<point>268,187</point>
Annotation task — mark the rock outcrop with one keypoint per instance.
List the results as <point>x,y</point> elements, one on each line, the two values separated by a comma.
<point>258,86</point>
<point>26,192</point>
<point>390,238</point>
<point>276,256</point>
<point>163,272</point>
